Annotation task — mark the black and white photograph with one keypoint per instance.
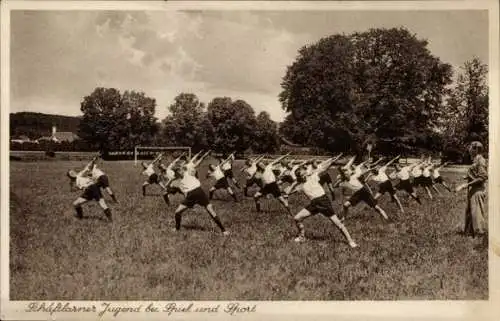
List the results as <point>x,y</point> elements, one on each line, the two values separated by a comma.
<point>261,152</point>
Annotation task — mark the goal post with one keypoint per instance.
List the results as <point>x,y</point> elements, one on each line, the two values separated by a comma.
<point>146,150</point>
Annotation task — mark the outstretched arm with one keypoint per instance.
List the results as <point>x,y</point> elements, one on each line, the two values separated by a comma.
<point>195,156</point>
<point>349,163</point>
<point>324,165</point>
<point>160,155</point>
<point>277,160</point>
<point>443,165</point>
<point>89,166</point>
<point>392,161</point>
<point>377,162</point>
<point>201,159</point>
<point>258,159</point>
<point>227,159</point>
<point>294,188</point>
<point>175,161</point>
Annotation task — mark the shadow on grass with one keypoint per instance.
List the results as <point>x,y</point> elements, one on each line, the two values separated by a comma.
<point>193,227</point>
<point>326,238</point>
<point>93,218</point>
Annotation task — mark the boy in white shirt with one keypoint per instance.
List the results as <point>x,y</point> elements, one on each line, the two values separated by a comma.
<point>102,180</point>
<point>167,174</point>
<point>384,183</point>
<point>289,176</point>
<point>250,171</point>
<point>427,179</point>
<point>319,201</point>
<point>221,182</point>
<point>91,191</point>
<point>190,186</point>
<point>405,184</point>
<point>360,192</point>
<point>269,184</point>
<point>437,178</point>
<point>324,177</point>
<point>149,172</point>
<point>193,164</point>
<point>227,168</point>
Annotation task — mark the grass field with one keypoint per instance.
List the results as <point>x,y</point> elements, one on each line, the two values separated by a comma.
<point>54,256</point>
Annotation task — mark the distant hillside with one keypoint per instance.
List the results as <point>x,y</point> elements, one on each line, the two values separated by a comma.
<point>35,125</point>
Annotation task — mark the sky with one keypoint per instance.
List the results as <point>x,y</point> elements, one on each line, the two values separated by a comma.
<point>58,57</point>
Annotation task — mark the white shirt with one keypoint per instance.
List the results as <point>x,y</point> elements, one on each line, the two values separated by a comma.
<point>251,170</point>
<point>190,168</point>
<point>188,183</point>
<point>312,188</point>
<point>83,182</point>
<point>427,171</point>
<point>417,171</point>
<point>268,176</point>
<point>96,173</point>
<point>280,169</point>
<point>381,175</point>
<point>169,174</point>
<point>309,169</point>
<point>353,183</point>
<point>216,173</point>
<point>226,166</point>
<point>149,170</point>
<point>292,172</point>
<point>403,174</point>
<point>358,170</point>
<point>435,173</point>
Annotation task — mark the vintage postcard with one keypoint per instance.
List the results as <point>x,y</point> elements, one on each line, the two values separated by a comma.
<point>250,160</point>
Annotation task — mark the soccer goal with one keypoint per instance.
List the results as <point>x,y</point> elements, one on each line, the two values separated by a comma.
<point>146,152</point>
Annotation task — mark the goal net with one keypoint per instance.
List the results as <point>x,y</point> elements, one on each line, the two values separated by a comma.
<point>150,152</point>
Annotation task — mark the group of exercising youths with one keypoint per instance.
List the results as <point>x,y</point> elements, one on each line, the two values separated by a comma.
<point>278,178</point>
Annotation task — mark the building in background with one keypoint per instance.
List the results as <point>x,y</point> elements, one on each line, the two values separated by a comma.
<point>59,137</point>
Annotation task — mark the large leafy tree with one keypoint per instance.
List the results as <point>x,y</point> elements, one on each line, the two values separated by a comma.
<point>466,112</point>
<point>188,124</point>
<point>266,138</point>
<point>233,122</point>
<point>114,121</point>
<point>465,116</point>
<point>382,83</point>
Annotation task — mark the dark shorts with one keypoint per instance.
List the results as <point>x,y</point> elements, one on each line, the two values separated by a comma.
<point>272,189</point>
<point>288,179</point>
<point>221,183</point>
<point>173,190</point>
<point>229,173</point>
<point>405,185</point>
<point>321,205</point>
<point>426,181</point>
<point>92,192</point>
<point>362,178</point>
<point>438,180</point>
<point>363,195</point>
<point>418,181</point>
<point>153,179</point>
<point>254,180</point>
<point>196,196</point>
<point>325,178</point>
<point>276,172</point>
<point>103,181</point>
<point>386,187</point>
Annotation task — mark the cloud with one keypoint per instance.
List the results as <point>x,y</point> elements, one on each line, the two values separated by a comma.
<point>58,57</point>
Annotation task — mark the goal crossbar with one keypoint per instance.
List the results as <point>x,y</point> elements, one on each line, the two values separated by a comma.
<point>137,149</point>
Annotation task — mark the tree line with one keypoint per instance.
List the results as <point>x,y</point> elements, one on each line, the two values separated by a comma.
<point>115,121</point>
<point>381,87</point>
<point>385,87</point>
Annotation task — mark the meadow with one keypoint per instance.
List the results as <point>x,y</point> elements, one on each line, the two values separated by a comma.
<point>53,256</point>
